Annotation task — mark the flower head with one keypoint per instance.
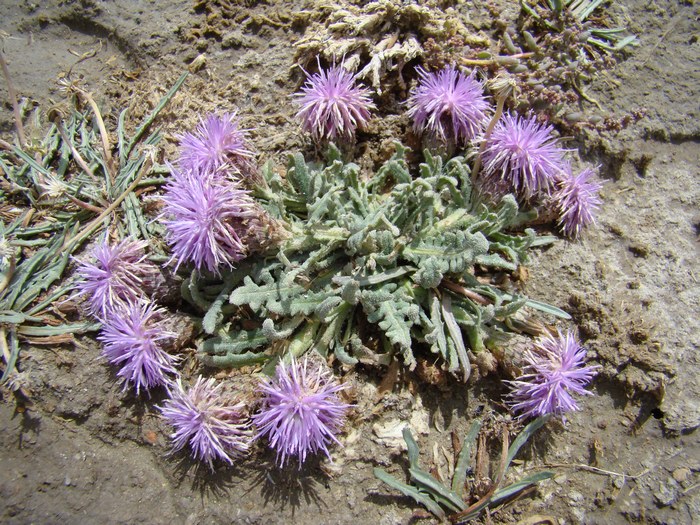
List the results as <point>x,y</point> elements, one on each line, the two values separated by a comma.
<point>204,419</point>
<point>301,410</point>
<point>448,104</point>
<point>332,105</point>
<point>207,214</point>
<point>576,200</point>
<point>555,370</point>
<point>521,156</point>
<point>218,141</point>
<point>133,341</point>
<point>7,251</point>
<point>115,279</point>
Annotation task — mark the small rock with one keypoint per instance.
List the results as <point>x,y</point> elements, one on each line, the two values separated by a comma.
<point>198,63</point>
<point>665,495</point>
<point>232,39</point>
<point>681,474</point>
<point>575,497</point>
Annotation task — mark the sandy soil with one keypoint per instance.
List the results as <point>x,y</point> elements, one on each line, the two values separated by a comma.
<point>86,452</point>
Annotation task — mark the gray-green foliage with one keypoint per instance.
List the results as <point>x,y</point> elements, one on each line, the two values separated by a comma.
<point>368,267</point>
<point>71,188</point>
<point>443,500</point>
<point>611,39</point>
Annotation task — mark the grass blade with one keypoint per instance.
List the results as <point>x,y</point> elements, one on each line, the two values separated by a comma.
<point>149,120</point>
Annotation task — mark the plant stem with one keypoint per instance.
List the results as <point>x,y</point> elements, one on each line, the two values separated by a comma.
<point>76,155</point>
<point>103,131</point>
<point>13,99</point>
<point>500,101</point>
<point>94,224</point>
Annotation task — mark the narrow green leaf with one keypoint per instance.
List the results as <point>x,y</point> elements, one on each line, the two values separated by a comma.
<point>234,360</point>
<point>460,476</point>
<point>14,353</point>
<point>437,490</point>
<point>524,436</point>
<point>411,492</point>
<point>456,335</point>
<point>47,331</point>
<point>513,489</point>
<point>152,116</point>
<point>234,343</point>
<point>412,447</point>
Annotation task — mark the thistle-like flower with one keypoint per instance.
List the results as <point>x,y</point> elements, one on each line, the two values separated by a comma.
<point>576,200</point>
<point>521,156</point>
<point>204,419</point>
<point>115,279</point>
<point>332,105</point>
<point>207,218</point>
<point>449,105</point>
<point>133,341</point>
<point>555,370</point>
<point>301,412</point>
<point>217,142</point>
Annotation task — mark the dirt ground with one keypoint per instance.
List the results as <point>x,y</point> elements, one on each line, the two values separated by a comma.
<point>86,452</point>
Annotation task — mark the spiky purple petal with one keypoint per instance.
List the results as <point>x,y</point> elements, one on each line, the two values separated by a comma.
<point>332,105</point>
<point>577,200</point>
<point>521,156</point>
<point>301,411</point>
<point>448,104</point>
<point>207,422</point>
<point>132,340</point>
<point>555,370</point>
<point>206,214</point>
<point>217,142</point>
<point>115,279</point>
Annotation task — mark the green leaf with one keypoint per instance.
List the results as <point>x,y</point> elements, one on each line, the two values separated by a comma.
<point>235,343</point>
<point>428,483</point>
<point>393,311</point>
<point>47,331</point>
<point>456,336</point>
<point>513,489</point>
<point>124,154</point>
<point>282,299</point>
<point>411,447</point>
<point>14,353</point>
<point>524,436</point>
<point>411,492</point>
<point>460,476</point>
<point>234,360</point>
<point>451,252</point>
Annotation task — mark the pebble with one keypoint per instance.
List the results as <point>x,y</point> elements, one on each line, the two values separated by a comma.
<point>665,495</point>
<point>681,474</point>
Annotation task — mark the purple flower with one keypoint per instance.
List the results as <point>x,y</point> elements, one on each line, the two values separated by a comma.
<point>208,215</point>
<point>521,156</point>
<point>555,370</point>
<point>301,410</point>
<point>576,200</point>
<point>132,340</point>
<point>332,105</point>
<point>448,104</point>
<point>218,141</point>
<point>203,419</point>
<point>115,279</point>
